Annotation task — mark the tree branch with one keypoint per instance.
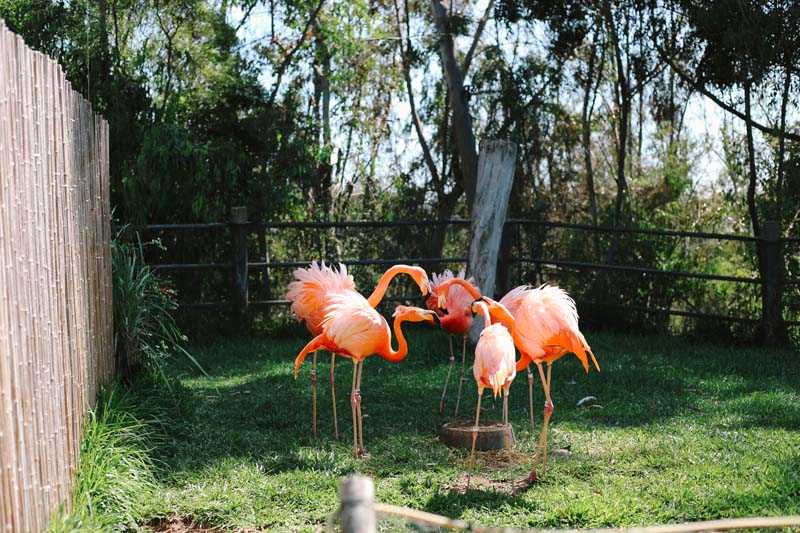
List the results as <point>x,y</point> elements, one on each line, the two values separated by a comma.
<point>406,60</point>
<point>697,86</point>
<point>288,57</point>
<point>476,38</point>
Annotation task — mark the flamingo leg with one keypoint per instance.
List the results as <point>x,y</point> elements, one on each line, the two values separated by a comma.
<point>461,373</point>
<point>447,379</point>
<point>548,409</point>
<point>530,396</point>
<point>333,400</point>
<point>474,436</point>
<point>314,393</point>
<point>506,390</point>
<point>353,409</point>
<point>358,409</point>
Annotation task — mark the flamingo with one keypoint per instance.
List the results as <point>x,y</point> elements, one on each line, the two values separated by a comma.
<point>495,367</point>
<point>512,301</point>
<point>545,328</point>
<point>354,329</point>
<point>310,295</point>
<point>457,321</point>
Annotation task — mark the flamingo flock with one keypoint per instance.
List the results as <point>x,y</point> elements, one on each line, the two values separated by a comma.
<point>541,323</point>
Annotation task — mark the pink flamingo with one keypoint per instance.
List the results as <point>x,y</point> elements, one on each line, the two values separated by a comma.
<point>512,301</point>
<point>494,368</point>
<point>310,295</point>
<point>353,328</point>
<point>545,328</point>
<point>458,321</point>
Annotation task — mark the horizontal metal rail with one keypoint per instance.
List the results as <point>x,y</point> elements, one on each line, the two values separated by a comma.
<point>640,270</point>
<point>439,260</point>
<point>191,266</point>
<point>168,227</point>
<point>676,312</point>
<point>641,231</point>
<point>463,222</point>
<point>269,303</point>
<point>362,224</point>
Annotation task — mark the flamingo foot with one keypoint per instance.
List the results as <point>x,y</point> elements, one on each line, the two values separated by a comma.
<point>362,454</point>
<point>533,477</point>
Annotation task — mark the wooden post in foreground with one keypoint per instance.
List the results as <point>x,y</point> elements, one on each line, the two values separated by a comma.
<point>356,510</point>
<point>238,224</point>
<point>496,166</point>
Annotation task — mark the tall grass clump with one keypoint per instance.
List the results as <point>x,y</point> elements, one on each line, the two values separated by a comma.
<point>115,474</point>
<point>145,333</point>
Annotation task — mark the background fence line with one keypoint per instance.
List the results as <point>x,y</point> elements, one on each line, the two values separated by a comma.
<point>242,263</point>
<point>56,316</point>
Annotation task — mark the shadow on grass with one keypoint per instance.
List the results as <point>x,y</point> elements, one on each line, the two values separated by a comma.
<point>251,405</point>
<point>251,412</point>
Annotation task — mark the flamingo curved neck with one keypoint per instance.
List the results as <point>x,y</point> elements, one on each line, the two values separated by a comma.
<point>392,355</point>
<point>501,314</point>
<point>483,310</point>
<point>470,288</point>
<point>376,296</point>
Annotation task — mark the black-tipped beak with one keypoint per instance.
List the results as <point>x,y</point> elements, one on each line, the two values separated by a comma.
<point>436,320</point>
<point>424,299</point>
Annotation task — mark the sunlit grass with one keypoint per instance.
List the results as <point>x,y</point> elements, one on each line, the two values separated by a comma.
<point>115,474</point>
<point>685,431</point>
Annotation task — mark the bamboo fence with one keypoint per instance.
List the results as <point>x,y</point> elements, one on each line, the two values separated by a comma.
<point>56,317</point>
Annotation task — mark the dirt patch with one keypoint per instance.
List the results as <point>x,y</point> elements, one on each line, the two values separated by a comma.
<point>480,483</point>
<point>179,524</point>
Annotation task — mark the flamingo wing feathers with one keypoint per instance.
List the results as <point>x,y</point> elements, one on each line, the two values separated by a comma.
<point>458,319</point>
<point>495,358</point>
<point>457,296</point>
<point>547,326</point>
<point>513,299</point>
<point>354,326</point>
<point>310,291</point>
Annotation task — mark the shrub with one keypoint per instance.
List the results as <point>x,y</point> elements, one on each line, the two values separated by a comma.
<point>145,333</point>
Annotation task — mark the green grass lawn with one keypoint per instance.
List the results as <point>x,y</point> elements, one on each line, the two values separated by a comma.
<point>686,431</point>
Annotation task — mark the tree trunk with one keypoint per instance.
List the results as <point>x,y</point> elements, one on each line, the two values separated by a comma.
<point>586,138</point>
<point>462,122</point>
<point>782,141</point>
<point>496,176</point>
<point>751,160</point>
<point>623,105</point>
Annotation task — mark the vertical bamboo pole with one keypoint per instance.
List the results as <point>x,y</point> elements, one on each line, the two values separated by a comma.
<point>56,317</point>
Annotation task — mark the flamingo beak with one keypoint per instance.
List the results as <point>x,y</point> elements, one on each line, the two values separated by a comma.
<point>425,286</point>
<point>442,301</point>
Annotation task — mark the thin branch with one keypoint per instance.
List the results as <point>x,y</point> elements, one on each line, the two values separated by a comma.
<point>701,88</point>
<point>689,527</point>
<point>476,38</point>
<point>288,57</point>
<point>406,60</point>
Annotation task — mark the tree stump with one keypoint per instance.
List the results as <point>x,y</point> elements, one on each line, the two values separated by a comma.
<point>492,435</point>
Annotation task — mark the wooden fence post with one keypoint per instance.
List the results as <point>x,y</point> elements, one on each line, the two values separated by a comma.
<point>356,505</point>
<point>496,166</point>
<point>503,282</point>
<point>771,305</point>
<point>239,231</point>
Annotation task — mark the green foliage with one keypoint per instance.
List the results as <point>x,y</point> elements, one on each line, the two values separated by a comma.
<point>145,333</point>
<point>115,475</point>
